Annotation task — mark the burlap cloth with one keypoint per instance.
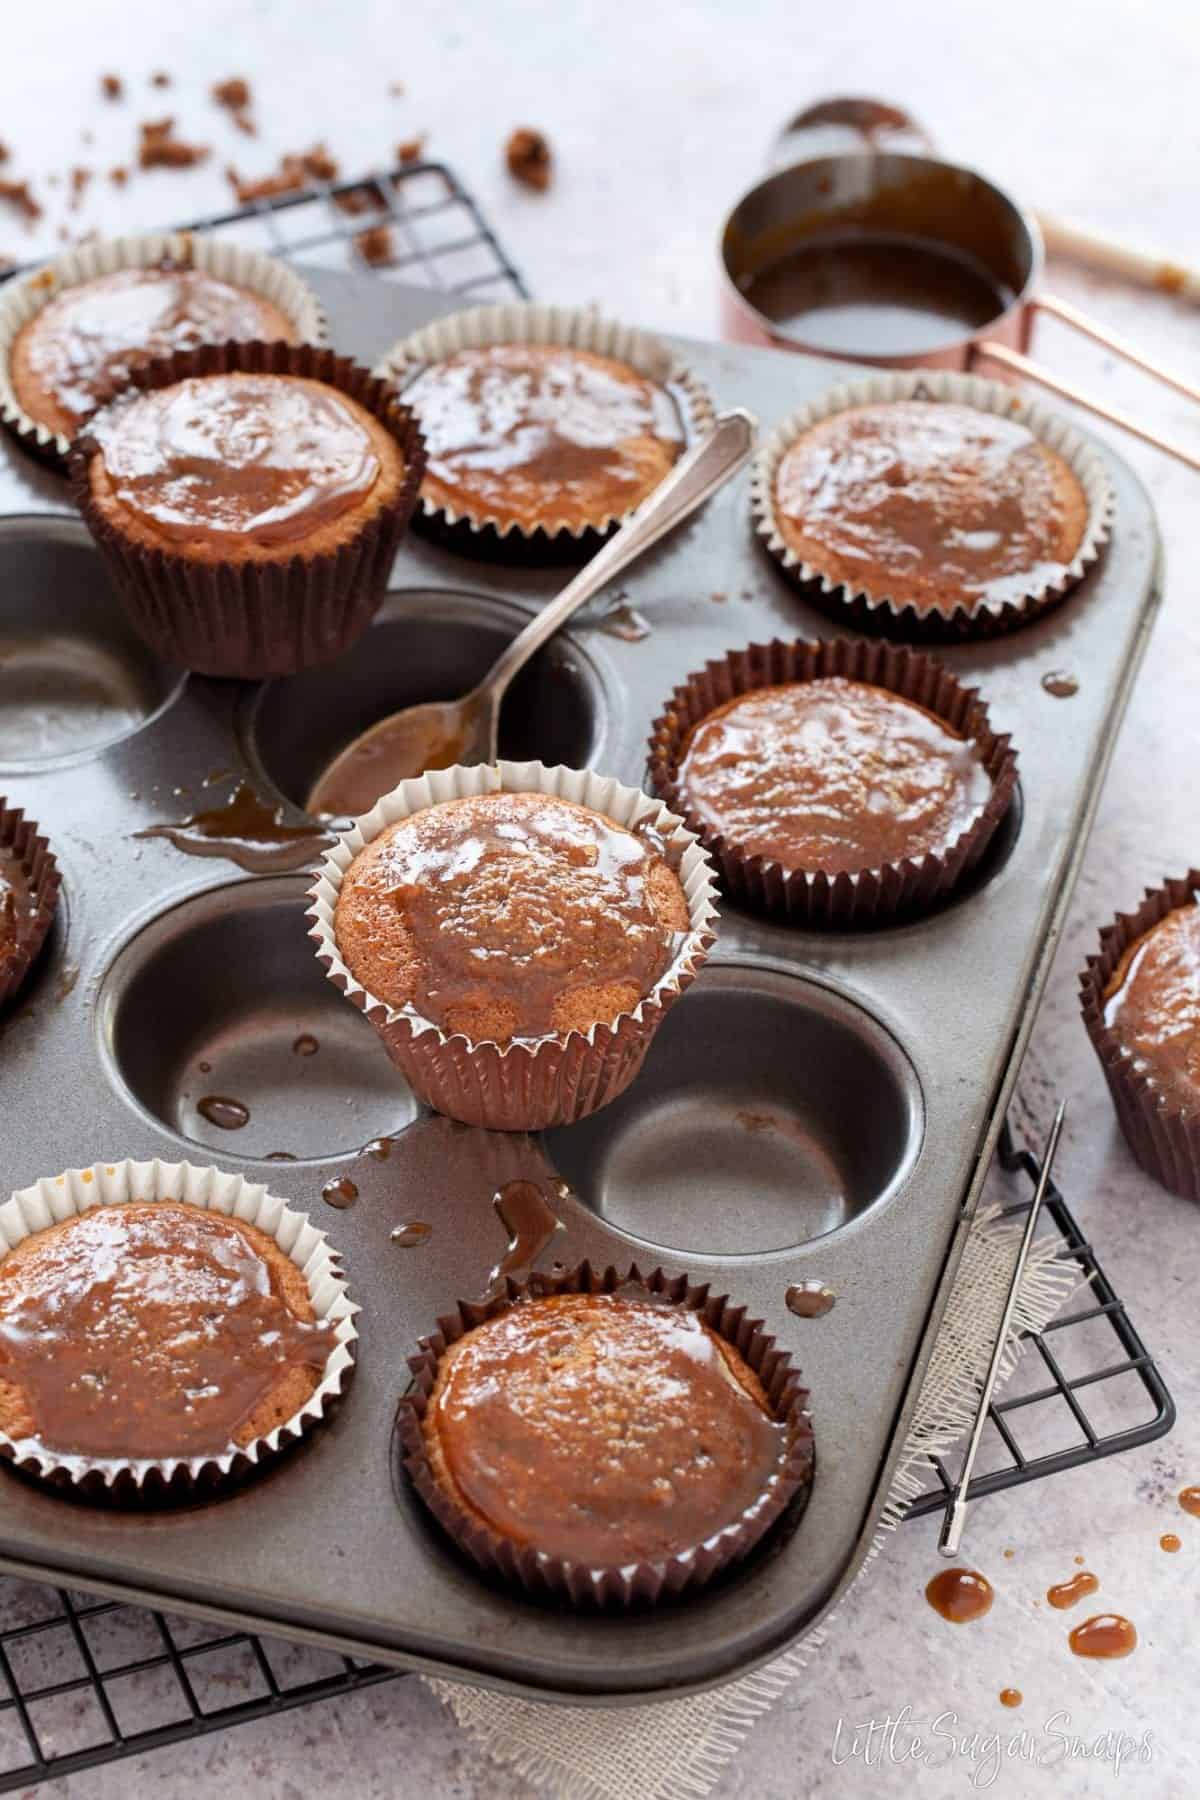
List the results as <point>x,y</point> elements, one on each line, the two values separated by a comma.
<point>677,1749</point>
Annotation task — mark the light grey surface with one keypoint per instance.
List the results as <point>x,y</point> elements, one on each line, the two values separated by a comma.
<point>659,118</point>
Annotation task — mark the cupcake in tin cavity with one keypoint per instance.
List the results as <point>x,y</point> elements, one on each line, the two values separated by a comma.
<point>249,500</point>
<point>837,784</point>
<point>931,506</point>
<point>1141,1008</point>
<point>515,934</point>
<point>29,890</point>
<point>74,332</point>
<point>160,1324</point>
<point>544,427</point>
<point>606,1438</point>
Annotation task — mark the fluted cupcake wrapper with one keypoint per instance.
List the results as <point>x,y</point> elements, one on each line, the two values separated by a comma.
<point>812,897</point>
<point>257,619</point>
<point>59,1197</point>
<point>528,1084</point>
<point>1163,1137</point>
<point>21,300</point>
<point>20,835</point>
<point>618,1585</point>
<point>870,610</point>
<point>481,534</point>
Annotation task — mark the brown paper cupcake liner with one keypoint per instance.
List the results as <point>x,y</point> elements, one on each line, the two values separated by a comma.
<point>20,835</point>
<point>528,1084</point>
<point>258,619</point>
<point>21,300</point>
<point>867,610</point>
<point>481,535</point>
<point>1164,1138</point>
<point>630,1584</point>
<point>812,898</point>
<point>55,1198</point>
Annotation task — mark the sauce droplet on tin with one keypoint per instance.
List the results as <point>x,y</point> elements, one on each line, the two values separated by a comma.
<point>340,1193</point>
<point>379,1148</point>
<point>530,1222</point>
<point>1107,1635</point>
<point>409,1236</point>
<point>246,831</point>
<point>810,1299</point>
<point>1073,1590</point>
<point>224,1113</point>
<point>1170,1542</point>
<point>1189,1499</point>
<point>279,1156</point>
<point>1011,1696</point>
<point>205,1068</point>
<point>1060,684</point>
<point>305,1045</point>
<point>960,1595</point>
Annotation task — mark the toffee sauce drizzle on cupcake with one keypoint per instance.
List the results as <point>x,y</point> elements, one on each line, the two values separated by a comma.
<point>18,908</point>
<point>1153,1003</point>
<point>144,1331</point>
<point>227,457</point>
<point>832,775</point>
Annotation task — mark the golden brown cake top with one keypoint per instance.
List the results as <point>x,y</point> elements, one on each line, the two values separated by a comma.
<point>603,1428</point>
<point>832,776</point>
<point>85,342</point>
<point>18,906</point>
<point>542,434</point>
<point>238,457</point>
<point>1153,1004</point>
<point>511,915</point>
<point>152,1329</point>
<point>929,503</point>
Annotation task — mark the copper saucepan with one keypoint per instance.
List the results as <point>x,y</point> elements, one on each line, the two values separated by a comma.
<point>877,199</point>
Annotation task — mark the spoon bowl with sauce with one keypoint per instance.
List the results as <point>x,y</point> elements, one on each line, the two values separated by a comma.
<point>442,733</point>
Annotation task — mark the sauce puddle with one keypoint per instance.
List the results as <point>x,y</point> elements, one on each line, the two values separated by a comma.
<point>409,1236</point>
<point>810,1299</point>
<point>340,1193</point>
<point>1073,1590</point>
<point>1107,1635</point>
<point>531,1224</point>
<point>960,1595</point>
<point>245,831</point>
<point>224,1113</point>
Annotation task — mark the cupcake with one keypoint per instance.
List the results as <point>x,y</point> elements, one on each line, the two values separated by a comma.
<point>249,501</point>
<point>73,334</point>
<point>142,1331</point>
<point>543,428</point>
<point>604,1437</point>
<point>29,888</point>
<point>836,783</point>
<point>931,507</point>
<point>1141,1007</point>
<point>515,934</point>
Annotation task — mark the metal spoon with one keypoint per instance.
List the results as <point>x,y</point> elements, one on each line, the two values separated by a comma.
<point>439,733</point>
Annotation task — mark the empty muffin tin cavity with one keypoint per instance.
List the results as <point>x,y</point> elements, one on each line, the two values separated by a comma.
<point>747,1130</point>
<point>425,645</point>
<point>73,674</point>
<point>212,1011</point>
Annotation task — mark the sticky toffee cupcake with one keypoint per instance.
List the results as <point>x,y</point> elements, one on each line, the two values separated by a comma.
<point>249,502</point>
<point>604,1437</point>
<point>29,889</point>
<point>858,787</point>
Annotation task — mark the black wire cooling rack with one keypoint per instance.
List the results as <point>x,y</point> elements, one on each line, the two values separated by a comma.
<point>85,1681</point>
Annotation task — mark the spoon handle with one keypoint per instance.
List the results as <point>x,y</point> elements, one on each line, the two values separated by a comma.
<point>697,475</point>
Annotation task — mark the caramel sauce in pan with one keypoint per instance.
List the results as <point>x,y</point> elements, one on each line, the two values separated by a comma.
<point>1170,1542</point>
<point>234,457</point>
<point>1073,1590</point>
<point>1060,684</point>
<point>90,338</point>
<point>305,1045</point>
<point>148,1330</point>
<point>1011,1696</point>
<point>602,1427</point>
<point>409,1236</point>
<point>960,1595</point>
<point>531,1224</point>
<point>224,1113</point>
<point>832,775</point>
<point>810,1299</point>
<point>1106,1635</point>
<point>246,831</point>
<point>340,1193</point>
<point>1189,1499</point>
<point>1153,1003</point>
<point>18,908</point>
<point>859,293</point>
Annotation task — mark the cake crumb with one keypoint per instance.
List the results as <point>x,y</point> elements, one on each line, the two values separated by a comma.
<point>527,154</point>
<point>112,87</point>
<point>160,79</point>
<point>80,178</point>
<point>234,94</point>
<point>3,152</point>
<point>375,246</point>
<point>159,148</point>
<point>295,172</point>
<point>119,176</point>
<point>411,150</point>
<point>367,197</point>
<point>19,195</point>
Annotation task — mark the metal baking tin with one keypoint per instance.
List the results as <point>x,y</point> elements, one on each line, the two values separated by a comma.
<point>847,1086</point>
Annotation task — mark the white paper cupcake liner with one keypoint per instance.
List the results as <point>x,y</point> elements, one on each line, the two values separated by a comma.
<point>528,1084</point>
<point>55,1198</point>
<point>21,300</point>
<point>524,322</point>
<point>874,611</point>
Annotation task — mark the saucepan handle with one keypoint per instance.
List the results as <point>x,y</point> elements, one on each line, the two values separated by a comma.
<point>988,351</point>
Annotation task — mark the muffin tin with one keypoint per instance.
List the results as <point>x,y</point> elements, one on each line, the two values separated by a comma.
<point>819,1106</point>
